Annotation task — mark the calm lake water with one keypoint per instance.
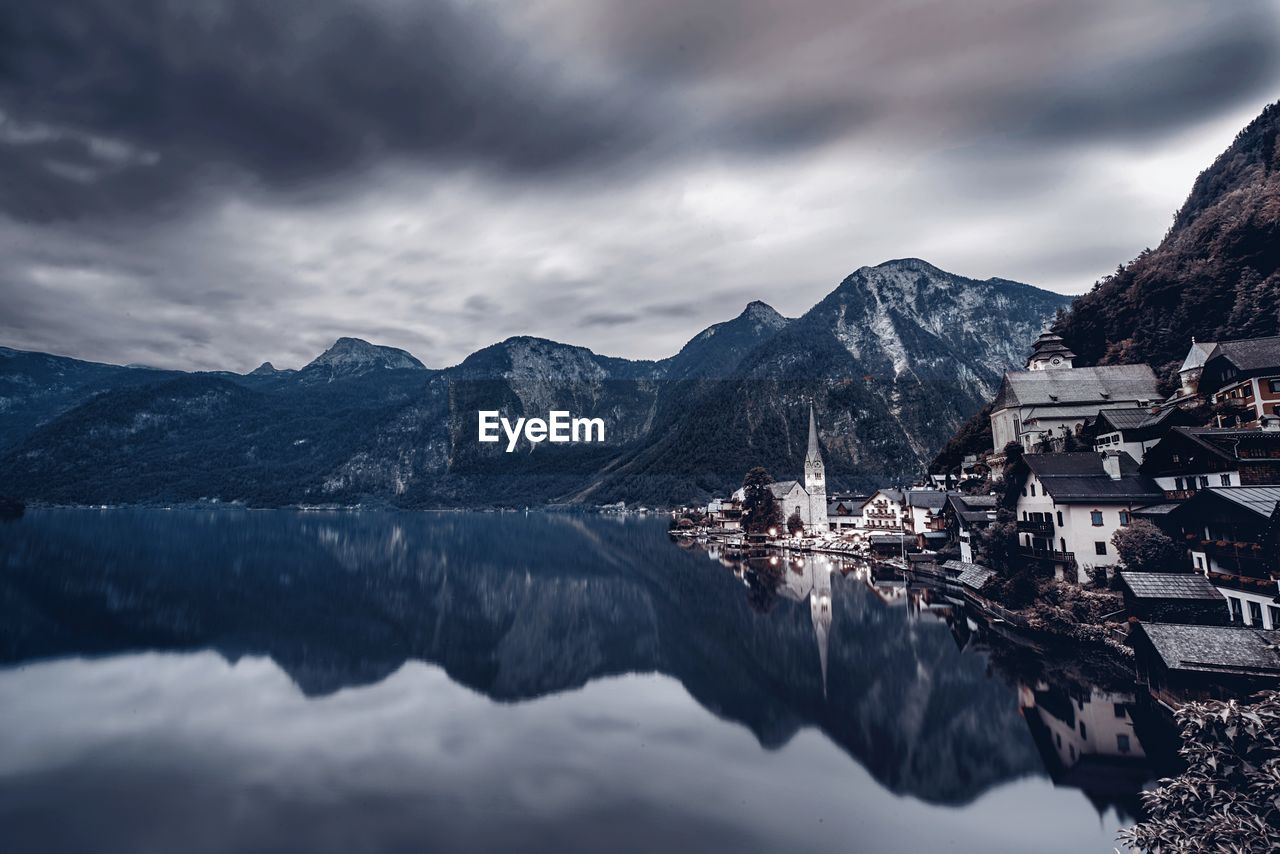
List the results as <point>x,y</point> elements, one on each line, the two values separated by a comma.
<point>267,681</point>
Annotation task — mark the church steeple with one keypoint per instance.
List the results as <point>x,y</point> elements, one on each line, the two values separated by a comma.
<point>815,480</point>
<point>814,452</point>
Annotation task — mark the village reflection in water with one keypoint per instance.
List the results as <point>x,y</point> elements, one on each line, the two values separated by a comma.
<point>481,678</point>
<point>1089,736</point>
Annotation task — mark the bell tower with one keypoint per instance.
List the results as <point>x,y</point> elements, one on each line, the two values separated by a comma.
<point>1049,353</point>
<point>815,479</point>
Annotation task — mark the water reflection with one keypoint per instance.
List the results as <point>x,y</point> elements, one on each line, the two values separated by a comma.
<point>294,681</point>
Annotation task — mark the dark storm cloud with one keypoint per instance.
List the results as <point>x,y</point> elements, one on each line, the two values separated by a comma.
<point>112,105</point>
<point>211,184</point>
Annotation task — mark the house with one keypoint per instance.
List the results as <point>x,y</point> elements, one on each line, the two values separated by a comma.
<point>1233,535</point>
<point>888,545</point>
<point>1072,504</point>
<point>1053,399</point>
<point>883,511</point>
<point>1188,459</point>
<point>1173,597</point>
<point>1245,373</point>
<point>963,516</point>
<point>1181,662</point>
<point>1135,430</point>
<point>922,510</point>
<point>844,512</point>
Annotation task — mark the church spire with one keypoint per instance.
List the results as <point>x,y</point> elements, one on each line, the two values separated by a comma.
<point>814,452</point>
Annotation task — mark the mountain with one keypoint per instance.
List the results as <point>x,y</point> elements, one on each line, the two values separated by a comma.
<point>893,360</point>
<point>350,356</point>
<point>37,387</point>
<point>1214,276</point>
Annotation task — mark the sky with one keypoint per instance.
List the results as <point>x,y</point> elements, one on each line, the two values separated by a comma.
<point>208,185</point>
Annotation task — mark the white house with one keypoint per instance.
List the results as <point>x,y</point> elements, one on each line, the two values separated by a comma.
<point>882,512</point>
<point>1072,504</point>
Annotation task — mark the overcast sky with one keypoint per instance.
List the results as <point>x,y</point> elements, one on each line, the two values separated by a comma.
<point>213,184</point>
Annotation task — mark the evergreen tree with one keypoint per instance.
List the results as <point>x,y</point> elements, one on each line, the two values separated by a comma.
<point>760,510</point>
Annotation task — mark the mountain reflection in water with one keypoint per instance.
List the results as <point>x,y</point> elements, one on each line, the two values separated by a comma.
<point>268,681</point>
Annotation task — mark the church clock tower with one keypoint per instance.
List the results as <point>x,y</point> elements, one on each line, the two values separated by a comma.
<point>815,480</point>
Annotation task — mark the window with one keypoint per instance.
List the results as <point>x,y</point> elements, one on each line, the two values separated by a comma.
<point>1124,517</point>
<point>1226,480</point>
<point>1204,482</point>
<point>1024,492</point>
<point>1237,613</point>
<point>1059,518</point>
<point>1273,611</point>
<point>1255,613</point>
<point>1122,742</point>
<point>1096,518</point>
<point>1100,547</point>
<point>1033,490</point>
<point>1120,710</point>
<point>1084,733</point>
<point>1273,386</point>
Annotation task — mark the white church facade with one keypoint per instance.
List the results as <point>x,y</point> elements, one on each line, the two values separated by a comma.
<point>809,498</point>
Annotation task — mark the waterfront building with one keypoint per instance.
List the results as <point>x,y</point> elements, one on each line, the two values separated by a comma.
<point>963,516</point>
<point>1173,597</point>
<point>1179,662</point>
<point>1052,398</point>
<point>922,510</point>
<point>1072,504</point>
<point>883,511</point>
<point>844,513</point>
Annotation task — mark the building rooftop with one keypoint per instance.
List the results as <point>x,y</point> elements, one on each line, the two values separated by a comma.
<point>1215,649</point>
<point>971,575</point>
<point>1118,383</point>
<point>1133,418</point>
<point>1258,499</point>
<point>932,499</point>
<point>1080,477</point>
<point>1250,354</point>
<point>1170,585</point>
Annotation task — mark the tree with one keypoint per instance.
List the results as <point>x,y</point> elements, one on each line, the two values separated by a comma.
<point>1228,799</point>
<point>795,525</point>
<point>1013,475</point>
<point>1142,547</point>
<point>998,542</point>
<point>760,510</point>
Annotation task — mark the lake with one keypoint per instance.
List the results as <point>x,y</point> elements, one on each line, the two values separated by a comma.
<point>266,681</point>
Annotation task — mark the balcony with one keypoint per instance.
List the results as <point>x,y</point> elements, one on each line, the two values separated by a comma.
<point>1249,558</point>
<point>1048,555</point>
<point>1041,528</point>
<point>1244,583</point>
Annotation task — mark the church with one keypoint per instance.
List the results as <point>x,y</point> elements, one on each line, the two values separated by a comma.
<point>808,498</point>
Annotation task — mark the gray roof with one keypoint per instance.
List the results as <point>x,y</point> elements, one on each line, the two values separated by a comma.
<point>887,539</point>
<point>1080,478</point>
<point>1158,509</point>
<point>932,499</point>
<point>891,494</point>
<point>781,487</point>
<point>1251,354</point>
<point>1106,383</point>
<point>1170,585</point>
<point>1133,418</point>
<point>1259,499</point>
<point>970,574</point>
<point>1216,649</point>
